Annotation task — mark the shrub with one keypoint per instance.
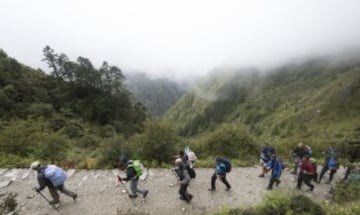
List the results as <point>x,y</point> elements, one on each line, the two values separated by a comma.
<point>111,149</point>
<point>52,147</point>
<point>346,191</point>
<point>8,204</point>
<point>158,142</point>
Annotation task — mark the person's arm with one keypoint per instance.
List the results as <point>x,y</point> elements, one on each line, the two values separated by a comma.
<point>42,182</point>
<point>130,173</point>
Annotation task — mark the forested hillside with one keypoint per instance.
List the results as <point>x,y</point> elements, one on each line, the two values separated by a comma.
<point>157,94</point>
<point>316,101</point>
<point>61,116</point>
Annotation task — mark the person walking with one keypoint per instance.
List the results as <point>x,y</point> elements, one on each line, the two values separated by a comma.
<point>133,173</point>
<point>306,173</point>
<point>54,178</point>
<point>184,180</point>
<point>329,164</point>
<point>299,153</point>
<point>222,167</point>
<point>277,166</point>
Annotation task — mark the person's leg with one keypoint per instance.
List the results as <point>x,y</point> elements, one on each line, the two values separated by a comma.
<point>307,181</point>
<point>332,173</point>
<point>300,180</point>
<point>67,192</point>
<point>133,188</point>
<point>213,180</point>
<point>183,192</point>
<point>136,188</point>
<point>347,173</point>
<point>54,194</point>
<point>296,162</point>
<point>323,171</point>
<point>223,179</point>
<point>271,182</point>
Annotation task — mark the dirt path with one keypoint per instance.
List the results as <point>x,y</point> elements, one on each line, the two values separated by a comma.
<point>100,193</point>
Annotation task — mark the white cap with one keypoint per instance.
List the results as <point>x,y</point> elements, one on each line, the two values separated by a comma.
<point>34,165</point>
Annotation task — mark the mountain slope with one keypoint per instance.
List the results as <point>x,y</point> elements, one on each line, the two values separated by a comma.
<point>314,99</point>
<point>158,95</point>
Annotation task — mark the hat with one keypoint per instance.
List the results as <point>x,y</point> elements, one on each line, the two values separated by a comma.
<point>301,144</point>
<point>123,159</point>
<point>35,165</point>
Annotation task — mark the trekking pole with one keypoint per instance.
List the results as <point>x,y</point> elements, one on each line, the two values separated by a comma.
<point>57,209</point>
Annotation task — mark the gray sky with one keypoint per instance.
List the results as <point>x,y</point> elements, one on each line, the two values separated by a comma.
<point>180,38</point>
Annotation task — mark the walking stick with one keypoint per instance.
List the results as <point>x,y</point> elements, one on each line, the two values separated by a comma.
<point>57,209</point>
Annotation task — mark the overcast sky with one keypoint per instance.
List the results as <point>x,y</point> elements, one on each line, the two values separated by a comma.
<point>182,37</point>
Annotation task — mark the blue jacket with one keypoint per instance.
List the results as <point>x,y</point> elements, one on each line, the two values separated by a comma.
<point>277,167</point>
<point>220,168</point>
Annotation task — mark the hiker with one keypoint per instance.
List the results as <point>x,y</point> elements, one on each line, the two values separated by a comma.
<point>306,173</point>
<point>313,161</point>
<point>184,180</point>
<point>133,173</point>
<point>265,157</point>
<point>299,153</point>
<point>222,167</point>
<point>276,165</point>
<point>329,164</point>
<point>53,177</point>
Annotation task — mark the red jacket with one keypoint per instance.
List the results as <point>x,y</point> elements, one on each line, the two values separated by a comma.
<point>306,167</point>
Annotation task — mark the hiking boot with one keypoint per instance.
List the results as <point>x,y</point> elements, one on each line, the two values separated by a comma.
<point>190,198</point>
<point>328,182</point>
<point>183,198</point>
<point>211,189</point>
<point>277,182</point>
<point>261,175</point>
<point>145,194</point>
<point>228,188</point>
<point>132,196</point>
<point>54,202</point>
<point>269,188</point>
<point>74,196</point>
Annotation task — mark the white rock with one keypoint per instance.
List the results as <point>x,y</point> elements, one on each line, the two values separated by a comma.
<point>183,209</point>
<point>171,185</point>
<point>85,178</point>
<point>123,191</point>
<point>5,183</point>
<point>70,172</point>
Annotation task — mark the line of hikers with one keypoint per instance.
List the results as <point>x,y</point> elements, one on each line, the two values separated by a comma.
<point>305,168</point>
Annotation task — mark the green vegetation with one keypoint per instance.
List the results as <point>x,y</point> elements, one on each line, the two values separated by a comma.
<point>293,203</point>
<point>315,102</point>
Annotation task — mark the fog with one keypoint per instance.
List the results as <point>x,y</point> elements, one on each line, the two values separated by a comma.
<point>179,39</point>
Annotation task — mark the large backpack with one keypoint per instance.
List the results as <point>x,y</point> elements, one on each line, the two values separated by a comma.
<point>137,166</point>
<point>227,163</point>
<point>191,172</point>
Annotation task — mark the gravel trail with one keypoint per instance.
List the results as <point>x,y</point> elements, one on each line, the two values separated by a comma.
<point>100,193</point>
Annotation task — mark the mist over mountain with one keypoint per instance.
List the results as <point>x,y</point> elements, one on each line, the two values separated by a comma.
<point>308,100</point>
<point>157,94</point>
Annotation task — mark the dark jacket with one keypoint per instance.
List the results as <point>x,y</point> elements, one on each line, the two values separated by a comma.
<point>300,152</point>
<point>183,174</point>
<point>130,172</point>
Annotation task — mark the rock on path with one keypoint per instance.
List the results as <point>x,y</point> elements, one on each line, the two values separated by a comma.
<point>100,193</point>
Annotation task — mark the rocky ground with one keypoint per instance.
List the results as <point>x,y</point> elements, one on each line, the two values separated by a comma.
<point>100,193</point>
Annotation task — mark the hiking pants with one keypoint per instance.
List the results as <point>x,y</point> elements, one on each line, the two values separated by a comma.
<point>183,192</point>
<point>55,195</point>
<point>222,178</point>
<point>324,170</point>
<point>296,164</point>
<point>306,179</point>
<point>273,179</point>
<point>134,187</point>
<point>347,173</point>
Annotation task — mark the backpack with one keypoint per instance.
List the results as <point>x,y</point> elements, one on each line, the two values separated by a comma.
<point>191,172</point>
<point>227,163</point>
<point>137,166</point>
